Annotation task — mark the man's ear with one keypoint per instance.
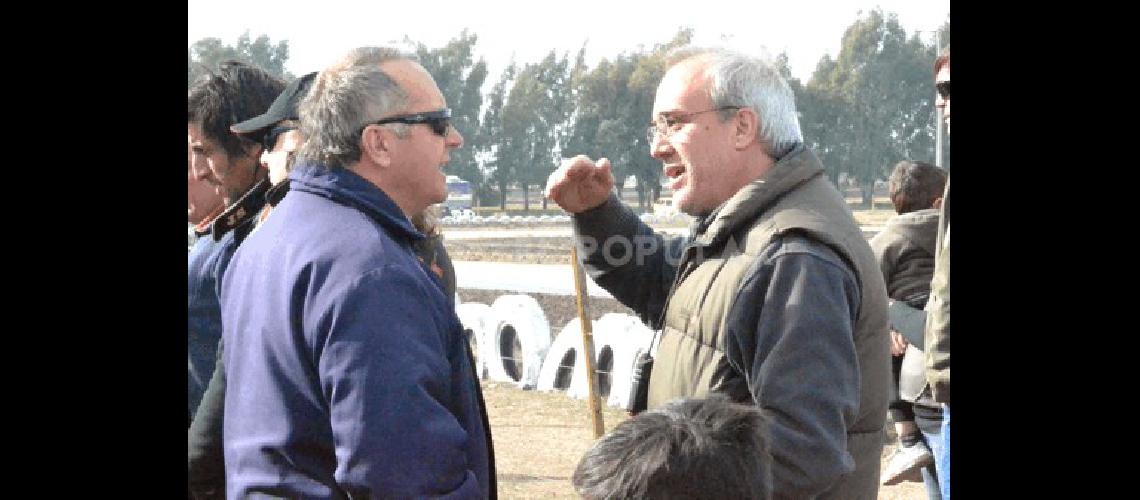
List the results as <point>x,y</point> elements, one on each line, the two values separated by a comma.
<point>937,203</point>
<point>376,144</point>
<point>252,154</point>
<point>252,150</point>
<point>747,126</point>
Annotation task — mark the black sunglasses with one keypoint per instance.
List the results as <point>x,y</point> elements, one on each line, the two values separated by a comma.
<point>439,121</point>
<point>943,89</point>
<point>269,140</point>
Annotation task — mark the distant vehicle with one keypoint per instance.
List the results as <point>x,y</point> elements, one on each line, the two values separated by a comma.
<point>459,195</point>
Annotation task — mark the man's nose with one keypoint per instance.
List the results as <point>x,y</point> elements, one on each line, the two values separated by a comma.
<point>659,148</point>
<point>454,138</point>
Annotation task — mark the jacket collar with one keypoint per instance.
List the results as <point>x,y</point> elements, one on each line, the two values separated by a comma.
<point>919,227</point>
<point>245,209</point>
<point>344,186</point>
<point>203,227</point>
<point>795,168</point>
<point>277,192</point>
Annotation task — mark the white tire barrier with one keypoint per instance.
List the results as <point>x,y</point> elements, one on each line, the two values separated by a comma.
<point>517,340</point>
<point>618,339</point>
<point>476,318</point>
<point>563,366</point>
<point>626,337</point>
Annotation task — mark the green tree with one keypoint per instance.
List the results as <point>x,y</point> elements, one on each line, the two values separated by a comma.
<point>605,124</point>
<point>871,106</point>
<point>521,137</point>
<point>494,150</point>
<point>207,53</point>
<point>533,120</point>
<point>555,76</point>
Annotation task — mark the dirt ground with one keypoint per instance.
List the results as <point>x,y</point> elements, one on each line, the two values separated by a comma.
<point>540,436</point>
<point>537,250</point>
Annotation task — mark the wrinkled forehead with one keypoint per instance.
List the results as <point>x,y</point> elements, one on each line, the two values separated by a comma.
<point>683,88</point>
<point>943,74</point>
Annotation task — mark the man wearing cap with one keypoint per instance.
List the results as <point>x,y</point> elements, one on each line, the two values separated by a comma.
<point>229,164</point>
<point>277,130</point>
<point>349,372</point>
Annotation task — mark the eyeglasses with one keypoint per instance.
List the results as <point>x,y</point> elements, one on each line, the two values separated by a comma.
<point>269,140</point>
<point>943,89</point>
<point>440,121</point>
<point>668,122</point>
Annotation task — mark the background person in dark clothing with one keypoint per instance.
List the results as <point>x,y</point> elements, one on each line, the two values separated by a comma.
<point>905,249</point>
<point>229,164</point>
<point>275,130</point>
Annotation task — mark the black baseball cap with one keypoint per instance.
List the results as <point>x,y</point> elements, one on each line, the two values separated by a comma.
<point>283,108</point>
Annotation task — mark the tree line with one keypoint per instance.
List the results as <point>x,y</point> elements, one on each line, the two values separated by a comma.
<point>862,112</point>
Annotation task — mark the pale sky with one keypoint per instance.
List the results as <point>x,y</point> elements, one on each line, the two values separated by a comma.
<point>320,31</point>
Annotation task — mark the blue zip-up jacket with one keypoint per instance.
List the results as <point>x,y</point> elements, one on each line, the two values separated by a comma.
<point>348,371</point>
<point>205,263</point>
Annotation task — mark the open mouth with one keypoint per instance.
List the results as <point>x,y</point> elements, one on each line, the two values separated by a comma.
<point>676,173</point>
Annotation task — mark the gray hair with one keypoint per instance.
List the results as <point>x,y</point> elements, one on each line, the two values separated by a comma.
<point>736,79</point>
<point>344,98</point>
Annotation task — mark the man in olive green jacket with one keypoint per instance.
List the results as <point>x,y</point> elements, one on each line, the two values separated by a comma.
<point>937,338</point>
<point>775,298</point>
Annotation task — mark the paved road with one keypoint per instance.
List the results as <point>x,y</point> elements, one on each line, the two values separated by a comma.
<point>528,278</point>
<point>453,233</point>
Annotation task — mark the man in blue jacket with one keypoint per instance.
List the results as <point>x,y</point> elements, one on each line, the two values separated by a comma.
<point>348,372</point>
<point>228,164</point>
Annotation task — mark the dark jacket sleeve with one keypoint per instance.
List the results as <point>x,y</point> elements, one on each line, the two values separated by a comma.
<point>206,465</point>
<point>889,248</point>
<point>791,334</point>
<point>385,366</point>
<point>625,256</point>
